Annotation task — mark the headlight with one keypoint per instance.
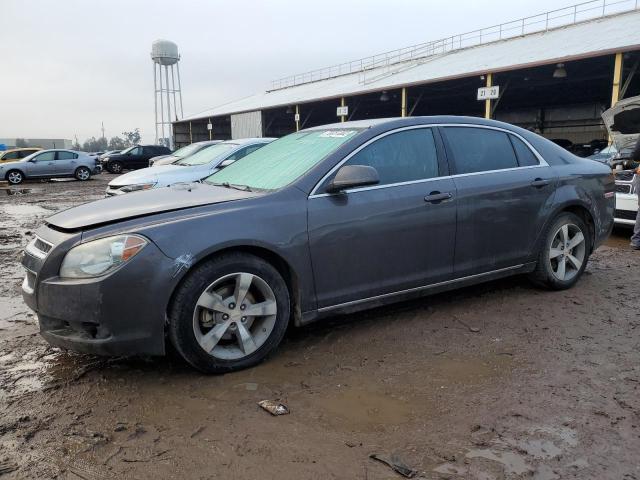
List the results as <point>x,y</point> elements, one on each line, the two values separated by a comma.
<point>99,257</point>
<point>135,188</point>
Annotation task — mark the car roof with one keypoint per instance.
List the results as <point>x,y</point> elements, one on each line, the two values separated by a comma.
<point>246,141</point>
<point>20,149</point>
<point>401,121</point>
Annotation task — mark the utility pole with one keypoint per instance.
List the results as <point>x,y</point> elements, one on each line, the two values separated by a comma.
<point>102,129</point>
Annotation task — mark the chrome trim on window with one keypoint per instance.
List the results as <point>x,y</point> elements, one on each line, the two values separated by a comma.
<point>313,193</point>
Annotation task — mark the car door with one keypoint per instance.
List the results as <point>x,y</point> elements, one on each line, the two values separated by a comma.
<point>135,159</point>
<point>42,165</point>
<point>505,191</point>
<point>396,235</point>
<point>147,154</point>
<point>66,162</point>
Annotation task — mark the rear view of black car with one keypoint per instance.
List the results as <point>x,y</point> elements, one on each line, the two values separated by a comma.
<point>327,220</point>
<point>133,158</point>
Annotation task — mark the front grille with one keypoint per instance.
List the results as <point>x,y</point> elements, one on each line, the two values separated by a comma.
<point>623,188</point>
<point>625,214</point>
<point>625,176</point>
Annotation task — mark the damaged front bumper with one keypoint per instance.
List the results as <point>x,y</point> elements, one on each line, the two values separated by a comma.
<point>121,313</point>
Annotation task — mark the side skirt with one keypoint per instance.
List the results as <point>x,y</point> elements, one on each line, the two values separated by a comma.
<point>413,293</point>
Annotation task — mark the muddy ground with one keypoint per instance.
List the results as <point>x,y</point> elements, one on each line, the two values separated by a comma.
<point>498,381</point>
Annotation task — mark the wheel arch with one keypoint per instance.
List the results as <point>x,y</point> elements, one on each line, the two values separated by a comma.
<point>581,210</point>
<point>6,176</point>
<point>277,261</point>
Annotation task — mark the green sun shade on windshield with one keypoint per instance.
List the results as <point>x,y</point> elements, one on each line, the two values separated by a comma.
<point>282,161</point>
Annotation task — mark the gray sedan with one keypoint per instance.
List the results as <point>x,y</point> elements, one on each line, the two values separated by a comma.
<point>50,164</point>
<point>327,220</point>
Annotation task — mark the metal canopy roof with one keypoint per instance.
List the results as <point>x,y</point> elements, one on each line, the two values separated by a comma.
<point>591,38</point>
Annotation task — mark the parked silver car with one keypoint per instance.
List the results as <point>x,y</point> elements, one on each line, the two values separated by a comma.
<point>50,164</point>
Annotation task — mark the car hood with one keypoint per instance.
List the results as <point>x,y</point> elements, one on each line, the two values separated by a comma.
<point>163,175</point>
<point>623,123</point>
<point>143,203</point>
<point>164,160</point>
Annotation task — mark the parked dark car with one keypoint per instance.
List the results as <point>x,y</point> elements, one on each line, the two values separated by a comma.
<point>327,220</point>
<point>132,158</point>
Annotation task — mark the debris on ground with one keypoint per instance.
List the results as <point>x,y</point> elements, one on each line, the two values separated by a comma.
<point>396,464</point>
<point>274,408</point>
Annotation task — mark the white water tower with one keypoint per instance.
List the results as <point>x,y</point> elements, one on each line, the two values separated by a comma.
<point>165,55</point>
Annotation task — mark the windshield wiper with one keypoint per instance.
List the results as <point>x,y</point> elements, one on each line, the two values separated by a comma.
<point>243,188</point>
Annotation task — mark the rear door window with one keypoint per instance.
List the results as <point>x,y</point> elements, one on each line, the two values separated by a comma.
<point>403,156</point>
<point>480,149</point>
<point>526,157</point>
<point>67,156</point>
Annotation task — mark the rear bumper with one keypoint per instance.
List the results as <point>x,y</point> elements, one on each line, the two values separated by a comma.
<point>122,313</point>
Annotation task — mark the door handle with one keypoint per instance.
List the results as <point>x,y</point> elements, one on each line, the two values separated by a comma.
<point>539,183</point>
<point>438,197</point>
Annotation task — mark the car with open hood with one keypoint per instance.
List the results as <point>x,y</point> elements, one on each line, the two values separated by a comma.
<point>331,219</point>
<point>191,168</point>
<point>623,123</point>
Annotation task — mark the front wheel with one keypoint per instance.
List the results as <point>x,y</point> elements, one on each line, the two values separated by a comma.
<point>229,314</point>
<point>564,253</point>
<point>15,177</point>
<point>115,167</point>
<point>83,174</point>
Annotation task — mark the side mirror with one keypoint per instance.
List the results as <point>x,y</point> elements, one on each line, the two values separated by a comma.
<point>226,163</point>
<point>351,176</point>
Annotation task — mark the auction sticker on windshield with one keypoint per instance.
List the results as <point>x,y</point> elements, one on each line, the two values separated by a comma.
<point>337,133</point>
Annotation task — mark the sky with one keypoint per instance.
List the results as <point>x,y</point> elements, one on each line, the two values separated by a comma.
<point>69,65</point>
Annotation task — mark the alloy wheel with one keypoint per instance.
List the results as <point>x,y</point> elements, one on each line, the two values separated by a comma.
<point>83,174</point>
<point>567,252</point>
<point>14,177</point>
<point>234,316</point>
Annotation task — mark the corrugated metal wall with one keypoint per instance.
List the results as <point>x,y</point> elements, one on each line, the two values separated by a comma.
<point>245,125</point>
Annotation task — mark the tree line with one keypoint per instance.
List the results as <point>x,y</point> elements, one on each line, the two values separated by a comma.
<point>94,144</point>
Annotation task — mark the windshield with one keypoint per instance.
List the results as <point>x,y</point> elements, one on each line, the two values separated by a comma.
<point>281,162</point>
<point>207,155</point>
<point>186,151</point>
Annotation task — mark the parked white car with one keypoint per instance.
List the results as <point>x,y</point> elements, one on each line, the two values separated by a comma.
<point>190,169</point>
<point>621,122</point>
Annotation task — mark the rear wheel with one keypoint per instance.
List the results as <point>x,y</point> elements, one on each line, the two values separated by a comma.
<point>82,173</point>
<point>564,253</point>
<point>229,314</point>
<point>115,167</point>
<point>15,177</point>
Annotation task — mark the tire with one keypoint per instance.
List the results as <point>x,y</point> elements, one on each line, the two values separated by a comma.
<point>82,173</point>
<point>221,326</point>
<point>549,272</point>
<point>15,177</point>
<point>115,167</point>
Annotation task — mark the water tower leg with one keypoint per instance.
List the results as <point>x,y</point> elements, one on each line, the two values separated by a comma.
<point>166,72</point>
<point>173,89</point>
<point>155,98</point>
<point>161,103</point>
<point>180,90</point>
